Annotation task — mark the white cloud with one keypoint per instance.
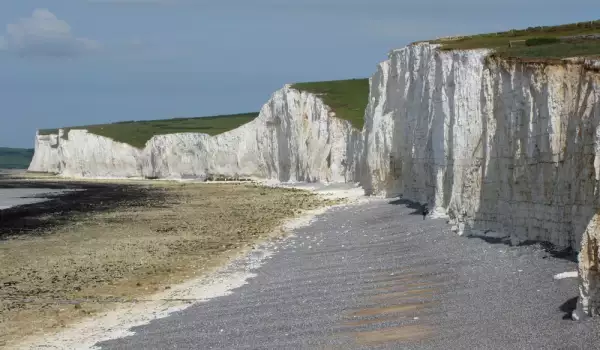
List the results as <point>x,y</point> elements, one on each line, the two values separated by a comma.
<point>43,34</point>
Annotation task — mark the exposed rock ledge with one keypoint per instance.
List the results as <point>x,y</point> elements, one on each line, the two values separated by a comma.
<point>503,148</point>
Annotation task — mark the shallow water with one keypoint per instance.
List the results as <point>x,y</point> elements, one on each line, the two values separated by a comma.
<point>10,197</point>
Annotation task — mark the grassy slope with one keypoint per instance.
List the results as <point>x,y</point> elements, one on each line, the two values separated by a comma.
<point>15,158</point>
<point>347,98</point>
<point>137,133</point>
<point>499,41</point>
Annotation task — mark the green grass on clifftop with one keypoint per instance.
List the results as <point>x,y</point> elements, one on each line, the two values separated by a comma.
<point>347,98</point>
<point>15,158</point>
<point>137,133</point>
<point>567,40</point>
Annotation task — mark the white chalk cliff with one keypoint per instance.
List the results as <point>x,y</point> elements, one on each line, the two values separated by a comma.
<point>293,139</point>
<point>504,148</point>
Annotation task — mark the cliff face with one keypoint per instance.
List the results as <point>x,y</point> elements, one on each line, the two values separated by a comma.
<point>45,155</point>
<point>83,154</point>
<point>503,148</point>
<point>293,139</point>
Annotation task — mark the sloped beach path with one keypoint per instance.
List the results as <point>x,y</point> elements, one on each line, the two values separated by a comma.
<point>376,275</point>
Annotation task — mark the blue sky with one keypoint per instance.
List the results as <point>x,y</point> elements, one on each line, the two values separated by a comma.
<point>77,62</point>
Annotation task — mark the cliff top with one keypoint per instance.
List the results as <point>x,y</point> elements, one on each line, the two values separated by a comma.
<point>347,98</point>
<point>137,133</point>
<point>561,41</point>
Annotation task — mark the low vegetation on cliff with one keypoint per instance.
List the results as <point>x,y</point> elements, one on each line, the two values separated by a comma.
<point>15,158</point>
<point>137,133</point>
<point>347,98</point>
<point>567,40</point>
